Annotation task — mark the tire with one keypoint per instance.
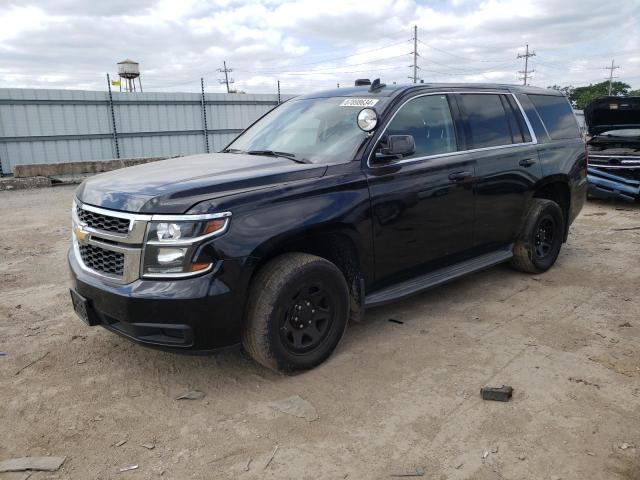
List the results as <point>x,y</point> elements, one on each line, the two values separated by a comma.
<point>538,246</point>
<point>297,312</point>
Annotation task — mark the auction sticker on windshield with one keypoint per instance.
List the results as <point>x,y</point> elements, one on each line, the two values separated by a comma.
<point>359,102</point>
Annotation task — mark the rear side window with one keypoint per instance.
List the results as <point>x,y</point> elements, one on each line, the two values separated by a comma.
<point>491,120</point>
<point>557,115</point>
<point>428,119</point>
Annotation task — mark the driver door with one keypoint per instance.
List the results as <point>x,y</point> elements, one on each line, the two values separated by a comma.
<point>422,204</point>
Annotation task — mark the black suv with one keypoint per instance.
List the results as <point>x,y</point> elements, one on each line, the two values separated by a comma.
<point>329,204</point>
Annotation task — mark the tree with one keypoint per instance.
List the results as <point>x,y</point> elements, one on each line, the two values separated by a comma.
<point>580,97</point>
<point>633,93</point>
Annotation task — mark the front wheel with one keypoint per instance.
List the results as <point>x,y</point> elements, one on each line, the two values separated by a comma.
<point>538,246</point>
<point>296,313</point>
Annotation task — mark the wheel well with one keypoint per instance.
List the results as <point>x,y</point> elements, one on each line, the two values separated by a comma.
<point>559,193</point>
<point>336,247</point>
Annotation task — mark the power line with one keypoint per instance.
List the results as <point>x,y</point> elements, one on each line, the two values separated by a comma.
<point>526,70</point>
<point>226,80</point>
<point>270,70</point>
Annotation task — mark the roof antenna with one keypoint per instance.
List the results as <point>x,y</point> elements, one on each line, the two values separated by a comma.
<point>376,85</point>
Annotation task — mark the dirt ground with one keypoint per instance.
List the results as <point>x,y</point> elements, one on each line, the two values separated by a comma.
<point>395,397</point>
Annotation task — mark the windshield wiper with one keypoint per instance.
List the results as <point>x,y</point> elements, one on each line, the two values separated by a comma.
<point>273,153</point>
<point>231,150</point>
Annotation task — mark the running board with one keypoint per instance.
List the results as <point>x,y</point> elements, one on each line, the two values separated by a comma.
<point>437,277</point>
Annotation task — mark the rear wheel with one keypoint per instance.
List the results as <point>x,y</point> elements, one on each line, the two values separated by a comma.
<point>538,246</point>
<point>296,313</point>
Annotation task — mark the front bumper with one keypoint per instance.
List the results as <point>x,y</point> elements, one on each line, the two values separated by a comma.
<point>603,184</point>
<point>193,315</point>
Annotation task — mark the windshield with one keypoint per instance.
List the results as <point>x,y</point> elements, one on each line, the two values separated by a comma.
<point>629,132</point>
<point>317,130</point>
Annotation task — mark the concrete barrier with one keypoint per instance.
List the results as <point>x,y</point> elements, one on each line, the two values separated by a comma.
<point>23,183</point>
<point>78,168</point>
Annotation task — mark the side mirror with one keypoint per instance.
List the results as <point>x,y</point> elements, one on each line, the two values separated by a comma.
<point>396,146</point>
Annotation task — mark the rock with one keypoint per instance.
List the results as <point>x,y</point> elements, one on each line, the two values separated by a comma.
<point>297,407</point>
<point>45,464</point>
<point>192,395</point>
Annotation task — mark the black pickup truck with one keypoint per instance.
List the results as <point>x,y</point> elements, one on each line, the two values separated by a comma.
<point>613,128</point>
<point>329,204</point>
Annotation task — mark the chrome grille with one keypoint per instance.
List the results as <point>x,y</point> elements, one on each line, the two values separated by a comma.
<point>102,260</point>
<point>103,222</point>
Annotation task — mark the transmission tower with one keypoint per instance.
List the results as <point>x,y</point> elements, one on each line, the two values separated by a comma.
<point>526,73</point>
<point>226,72</point>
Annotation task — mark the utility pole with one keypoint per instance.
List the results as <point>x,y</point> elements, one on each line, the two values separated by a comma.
<point>415,54</point>
<point>226,71</point>
<point>611,69</point>
<point>526,72</point>
<point>278,92</point>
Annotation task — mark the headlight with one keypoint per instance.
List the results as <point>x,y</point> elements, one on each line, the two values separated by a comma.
<point>172,241</point>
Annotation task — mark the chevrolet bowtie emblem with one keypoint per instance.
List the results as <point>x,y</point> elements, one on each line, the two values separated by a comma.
<point>80,234</point>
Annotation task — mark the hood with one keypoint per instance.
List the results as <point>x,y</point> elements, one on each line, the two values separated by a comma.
<point>174,185</point>
<point>612,113</point>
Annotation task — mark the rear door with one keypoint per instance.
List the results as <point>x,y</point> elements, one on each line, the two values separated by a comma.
<point>507,165</point>
<point>423,204</point>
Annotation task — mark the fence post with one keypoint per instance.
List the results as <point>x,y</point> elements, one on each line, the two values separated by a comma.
<point>204,117</point>
<point>113,119</point>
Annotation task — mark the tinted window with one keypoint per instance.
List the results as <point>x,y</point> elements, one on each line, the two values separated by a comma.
<point>487,120</point>
<point>533,117</point>
<point>429,120</point>
<point>557,115</point>
<point>520,130</point>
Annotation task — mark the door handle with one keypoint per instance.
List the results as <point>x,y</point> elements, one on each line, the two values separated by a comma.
<point>460,176</point>
<point>526,162</point>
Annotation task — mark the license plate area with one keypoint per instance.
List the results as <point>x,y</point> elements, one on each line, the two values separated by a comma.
<point>82,309</point>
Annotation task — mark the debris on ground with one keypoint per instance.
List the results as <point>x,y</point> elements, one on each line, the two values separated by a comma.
<point>120,443</point>
<point>271,457</point>
<point>495,449</point>
<point>485,454</point>
<point>625,324</point>
<point>399,322</point>
<point>625,446</point>
<point>297,407</point>
<point>626,228</point>
<point>522,457</point>
<point>128,468</point>
<point>44,464</point>
<point>584,382</point>
<point>498,394</point>
<point>192,395</point>
<point>419,472</point>
<point>246,468</point>
<point>148,446</point>
<point>80,362</point>
<point>459,466</point>
<point>31,363</point>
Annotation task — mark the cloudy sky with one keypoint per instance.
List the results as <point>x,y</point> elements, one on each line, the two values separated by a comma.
<point>314,44</point>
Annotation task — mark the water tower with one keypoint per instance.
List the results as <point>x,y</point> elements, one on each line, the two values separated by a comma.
<point>128,70</point>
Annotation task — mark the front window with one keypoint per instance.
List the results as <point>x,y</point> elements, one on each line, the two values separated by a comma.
<point>316,130</point>
<point>428,120</point>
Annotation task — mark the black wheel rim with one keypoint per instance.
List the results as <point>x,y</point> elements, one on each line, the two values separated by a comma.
<point>545,237</point>
<point>308,318</point>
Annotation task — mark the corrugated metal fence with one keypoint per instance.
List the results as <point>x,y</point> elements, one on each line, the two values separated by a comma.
<point>56,126</point>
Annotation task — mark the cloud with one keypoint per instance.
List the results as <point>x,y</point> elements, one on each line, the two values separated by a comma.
<point>310,45</point>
